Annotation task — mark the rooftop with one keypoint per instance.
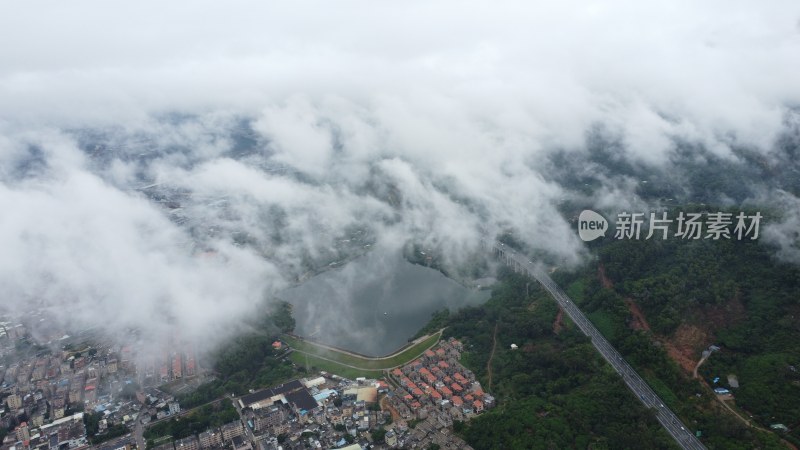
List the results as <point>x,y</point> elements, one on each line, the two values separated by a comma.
<point>256,397</point>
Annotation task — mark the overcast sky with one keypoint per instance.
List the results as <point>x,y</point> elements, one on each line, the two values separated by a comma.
<point>449,106</point>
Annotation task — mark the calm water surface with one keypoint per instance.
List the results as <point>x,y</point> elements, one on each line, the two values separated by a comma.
<point>374,304</point>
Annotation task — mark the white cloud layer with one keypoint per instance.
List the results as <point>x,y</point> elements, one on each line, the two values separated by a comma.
<point>418,120</point>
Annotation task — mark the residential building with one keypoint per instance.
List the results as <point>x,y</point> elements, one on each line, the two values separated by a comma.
<point>189,443</point>
<point>14,402</point>
<point>231,430</point>
<point>210,439</point>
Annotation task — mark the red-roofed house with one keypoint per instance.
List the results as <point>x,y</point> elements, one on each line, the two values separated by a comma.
<point>397,372</point>
<point>457,401</point>
<point>446,392</point>
<point>444,365</point>
<point>456,387</point>
<point>417,392</point>
<point>478,405</point>
<point>429,353</point>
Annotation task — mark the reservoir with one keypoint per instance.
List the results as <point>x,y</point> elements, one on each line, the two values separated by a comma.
<point>375,303</point>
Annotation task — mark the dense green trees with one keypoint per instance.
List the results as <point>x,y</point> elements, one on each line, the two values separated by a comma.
<point>247,361</point>
<point>378,435</point>
<point>281,316</point>
<point>212,415</point>
<point>741,297</point>
<point>554,391</point>
<point>92,423</point>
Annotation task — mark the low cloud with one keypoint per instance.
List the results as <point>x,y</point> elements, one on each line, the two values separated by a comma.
<point>168,167</point>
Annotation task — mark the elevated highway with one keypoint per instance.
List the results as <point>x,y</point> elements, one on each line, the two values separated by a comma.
<point>519,263</point>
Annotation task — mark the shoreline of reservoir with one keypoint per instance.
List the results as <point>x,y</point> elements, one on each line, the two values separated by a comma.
<point>375,303</point>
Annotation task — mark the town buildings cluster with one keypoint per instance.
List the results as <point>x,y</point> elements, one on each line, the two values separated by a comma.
<point>49,389</point>
<point>61,399</point>
<point>437,391</point>
<point>438,384</point>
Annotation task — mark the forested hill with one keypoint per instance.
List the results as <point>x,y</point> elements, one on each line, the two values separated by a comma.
<point>662,302</point>
<point>554,391</point>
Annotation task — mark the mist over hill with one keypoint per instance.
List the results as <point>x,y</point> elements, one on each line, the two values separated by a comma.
<point>171,178</point>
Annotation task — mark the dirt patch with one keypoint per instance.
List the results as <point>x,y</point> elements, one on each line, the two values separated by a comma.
<point>491,356</point>
<point>685,346</point>
<point>687,340</point>
<point>699,363</point>
<point>638,321</point>
<point>691,339</point>
<point>604,280</point>
<point>685,361</point>
<point>558,324</point>
<point>722,316</point>
<point>385,405</point>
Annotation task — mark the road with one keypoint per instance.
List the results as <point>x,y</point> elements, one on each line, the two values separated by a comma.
<point>682,435</point>
<point>138,431</point>
<point>247,431</point>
